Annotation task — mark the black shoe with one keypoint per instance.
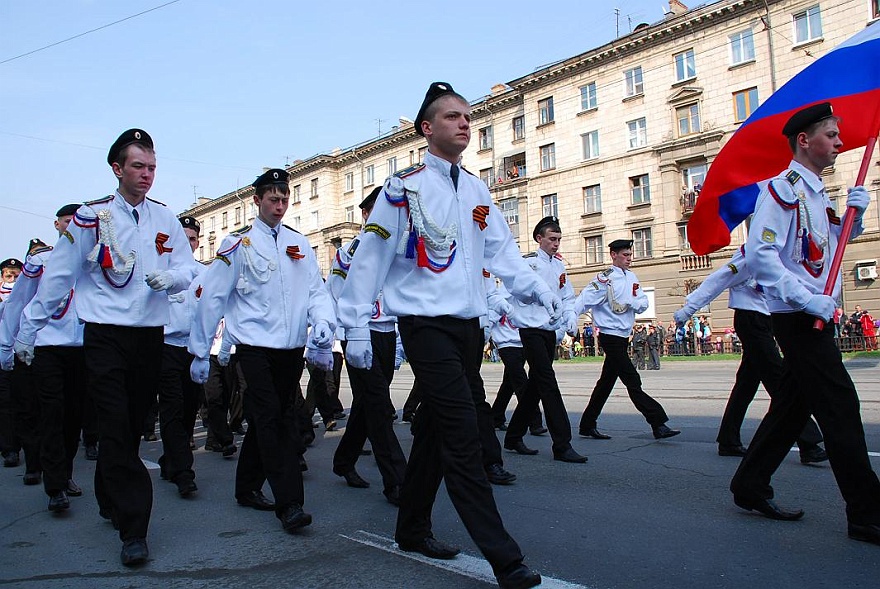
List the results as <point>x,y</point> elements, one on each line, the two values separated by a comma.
<point>228,450</point>
<point>502,427</point>
<point>522,577</point>
<point>663,431</point>
<point>498,476</point>
<point>769,509</point>
<point>569,455</point>
<point>432,548</point>
<point>238,430</point>
<point>11,459</point>
<point>594,433</point>
<point>134,552</point>
<point>392,494</point>
<point>864,532</point>
<point>726,450</point>
<point>339,415</point>
<point>186,487</point>
<point>58,502</point>
<point>294,518</point>
<point>813,455</point>
<point>407,418</point>
<point>91,452</point>
<point>32,478</point>
<point>150,437</point>
<point>73,489</point>
<point>192,443</point>
<point>213,447</point>
<point>353,479</point>
<point>255,499</point>
<point>520,448</point>
<point>539,430</point>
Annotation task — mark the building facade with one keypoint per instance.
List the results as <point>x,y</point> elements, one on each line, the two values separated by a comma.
<point>615,141</point>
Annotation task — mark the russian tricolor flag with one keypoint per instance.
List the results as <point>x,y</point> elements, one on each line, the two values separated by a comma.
<point>848,77</point>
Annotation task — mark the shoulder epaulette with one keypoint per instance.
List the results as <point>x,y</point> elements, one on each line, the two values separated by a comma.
<point>241,231</point>
<point>733,268</point>
<point>223,255</point>
<point>778,198</point>
<point>792,177</point>
<point>291,228</point>
<point>607,272</point>
<point>86,219</point>
<point>413,169</point>
<point>531,255</point>
<point>99,201</point>
<point>603,276</point>
<point>558,256</point>
<point>156,201</point>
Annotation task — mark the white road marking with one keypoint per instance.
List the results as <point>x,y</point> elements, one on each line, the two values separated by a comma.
<point>463,564</point>
<point>874,454</point>
<point>149,464</point>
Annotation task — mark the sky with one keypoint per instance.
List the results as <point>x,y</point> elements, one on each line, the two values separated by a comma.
<point>228,87</point>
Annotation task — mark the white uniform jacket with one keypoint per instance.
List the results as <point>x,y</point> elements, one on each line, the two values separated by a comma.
<point>551,270</point>
<point>267,290</point>
<point>182,311</point>
<point>745,293</point>
<point>614,297</point>
<point>379,319</point>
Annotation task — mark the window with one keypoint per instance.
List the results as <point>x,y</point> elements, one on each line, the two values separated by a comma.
<point>253,211</point>
<point>422,152</point>
<point>685,66</point>
<point>392,166</point>
<point>683,242</point>
<point>296,193</point>
<point>807,25</point>
<point>549,206</point>
<point>642,243</point>
<point>510,210</point>
<point>412,157</point>
<point>592,199</point>
<point>519,126</point>
<point>595,249</point>
<point>638,133</point>
<point>692,177</point>
<point>640,188</point>
<point>211,249</point>
<point>297,223</point>
<point>237,216</point>
<point>213,223</point>
<point>634,83</point>
<point>742,47</point>
<point>688,118</point>
<point>486,138</point>
<point>548,158</point>
<point>369,175</point>
<point>591,144</point>
<point>545,111</point>
<point>487,175</point>
<point>588,96</point>
<point>876,8</point>
<point>349,182</point>
<point>744,103</point>
<point>515,166</point>
<point>316,219</point>
<point>314,188</point>
<point>349,214</point>
<point>201,253</point>
<point>225,220</point>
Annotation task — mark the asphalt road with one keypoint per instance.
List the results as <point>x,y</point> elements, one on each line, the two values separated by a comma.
<point>640,513</point>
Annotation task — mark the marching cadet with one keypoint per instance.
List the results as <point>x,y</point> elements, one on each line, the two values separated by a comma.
<point>794,234</point>
<point>760,362</point>
<point>369,417</point>
<point>614,298</point>
<point>124,253</point>
<point>538,334</point>
<point>10,443</point>
<point>266,282</point>
<point>424,247</point>
<point>178,395</point>
<point>59,372</point>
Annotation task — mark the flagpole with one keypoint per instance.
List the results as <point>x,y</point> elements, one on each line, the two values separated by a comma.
<point>848,221</point>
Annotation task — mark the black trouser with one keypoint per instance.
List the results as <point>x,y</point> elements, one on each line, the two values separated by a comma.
<point>538,347</point>
<point>152,415</point>
<point>618,365</point>
<point>332,379</point>
<point>26,414</point>
<point>9,441</point>
<point>370,415</point>
<point>760,363</point>
<point>412,400</point>
<point>513,382</point>
<point>639,356</point>
<point>178,404</point>
<point>218,393</point>
<point>814,380</point>
<point>124,364</point>
<point>272,445</point>
<point>654,354</point>
<point>62,381</point>
<point>89,417</point>
<point>445,354</point>
<point>318,394</point>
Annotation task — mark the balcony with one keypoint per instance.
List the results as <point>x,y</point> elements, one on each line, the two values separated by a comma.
<point>694,262</point>
<point>689,199</point>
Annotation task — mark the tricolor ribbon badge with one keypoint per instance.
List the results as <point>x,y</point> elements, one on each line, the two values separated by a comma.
<point>161,239</point>
<point>480,214</point>
<point>293,252</point>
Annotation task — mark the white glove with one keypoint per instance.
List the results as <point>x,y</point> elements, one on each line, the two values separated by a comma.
<point>198,370</point>
<point>504,307</point>
<point>322,335</point>
<point>224,355</point>
<point>487,333</point>
<point>359,349</point>
<point>553,305</point>
<point>159,280</point>
<point>570,320</point>
<point>821,306</point>
<point>24,351</point>
<point>681,317</point>
<point>858,198</point>
<point>321,358</point>
<point>7,358</point>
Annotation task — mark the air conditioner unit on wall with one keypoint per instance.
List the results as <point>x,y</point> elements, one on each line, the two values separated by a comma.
<point>866,272</point>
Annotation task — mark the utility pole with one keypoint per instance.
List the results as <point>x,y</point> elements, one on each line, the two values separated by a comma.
<point>379,124</point>
<point>617,22</point>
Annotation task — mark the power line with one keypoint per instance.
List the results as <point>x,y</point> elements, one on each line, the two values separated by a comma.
<point>88,32</point>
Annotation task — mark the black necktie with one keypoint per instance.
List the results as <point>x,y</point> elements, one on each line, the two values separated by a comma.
<point>454,173</point>
<point>137,217</point>
<point>275,235</point>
